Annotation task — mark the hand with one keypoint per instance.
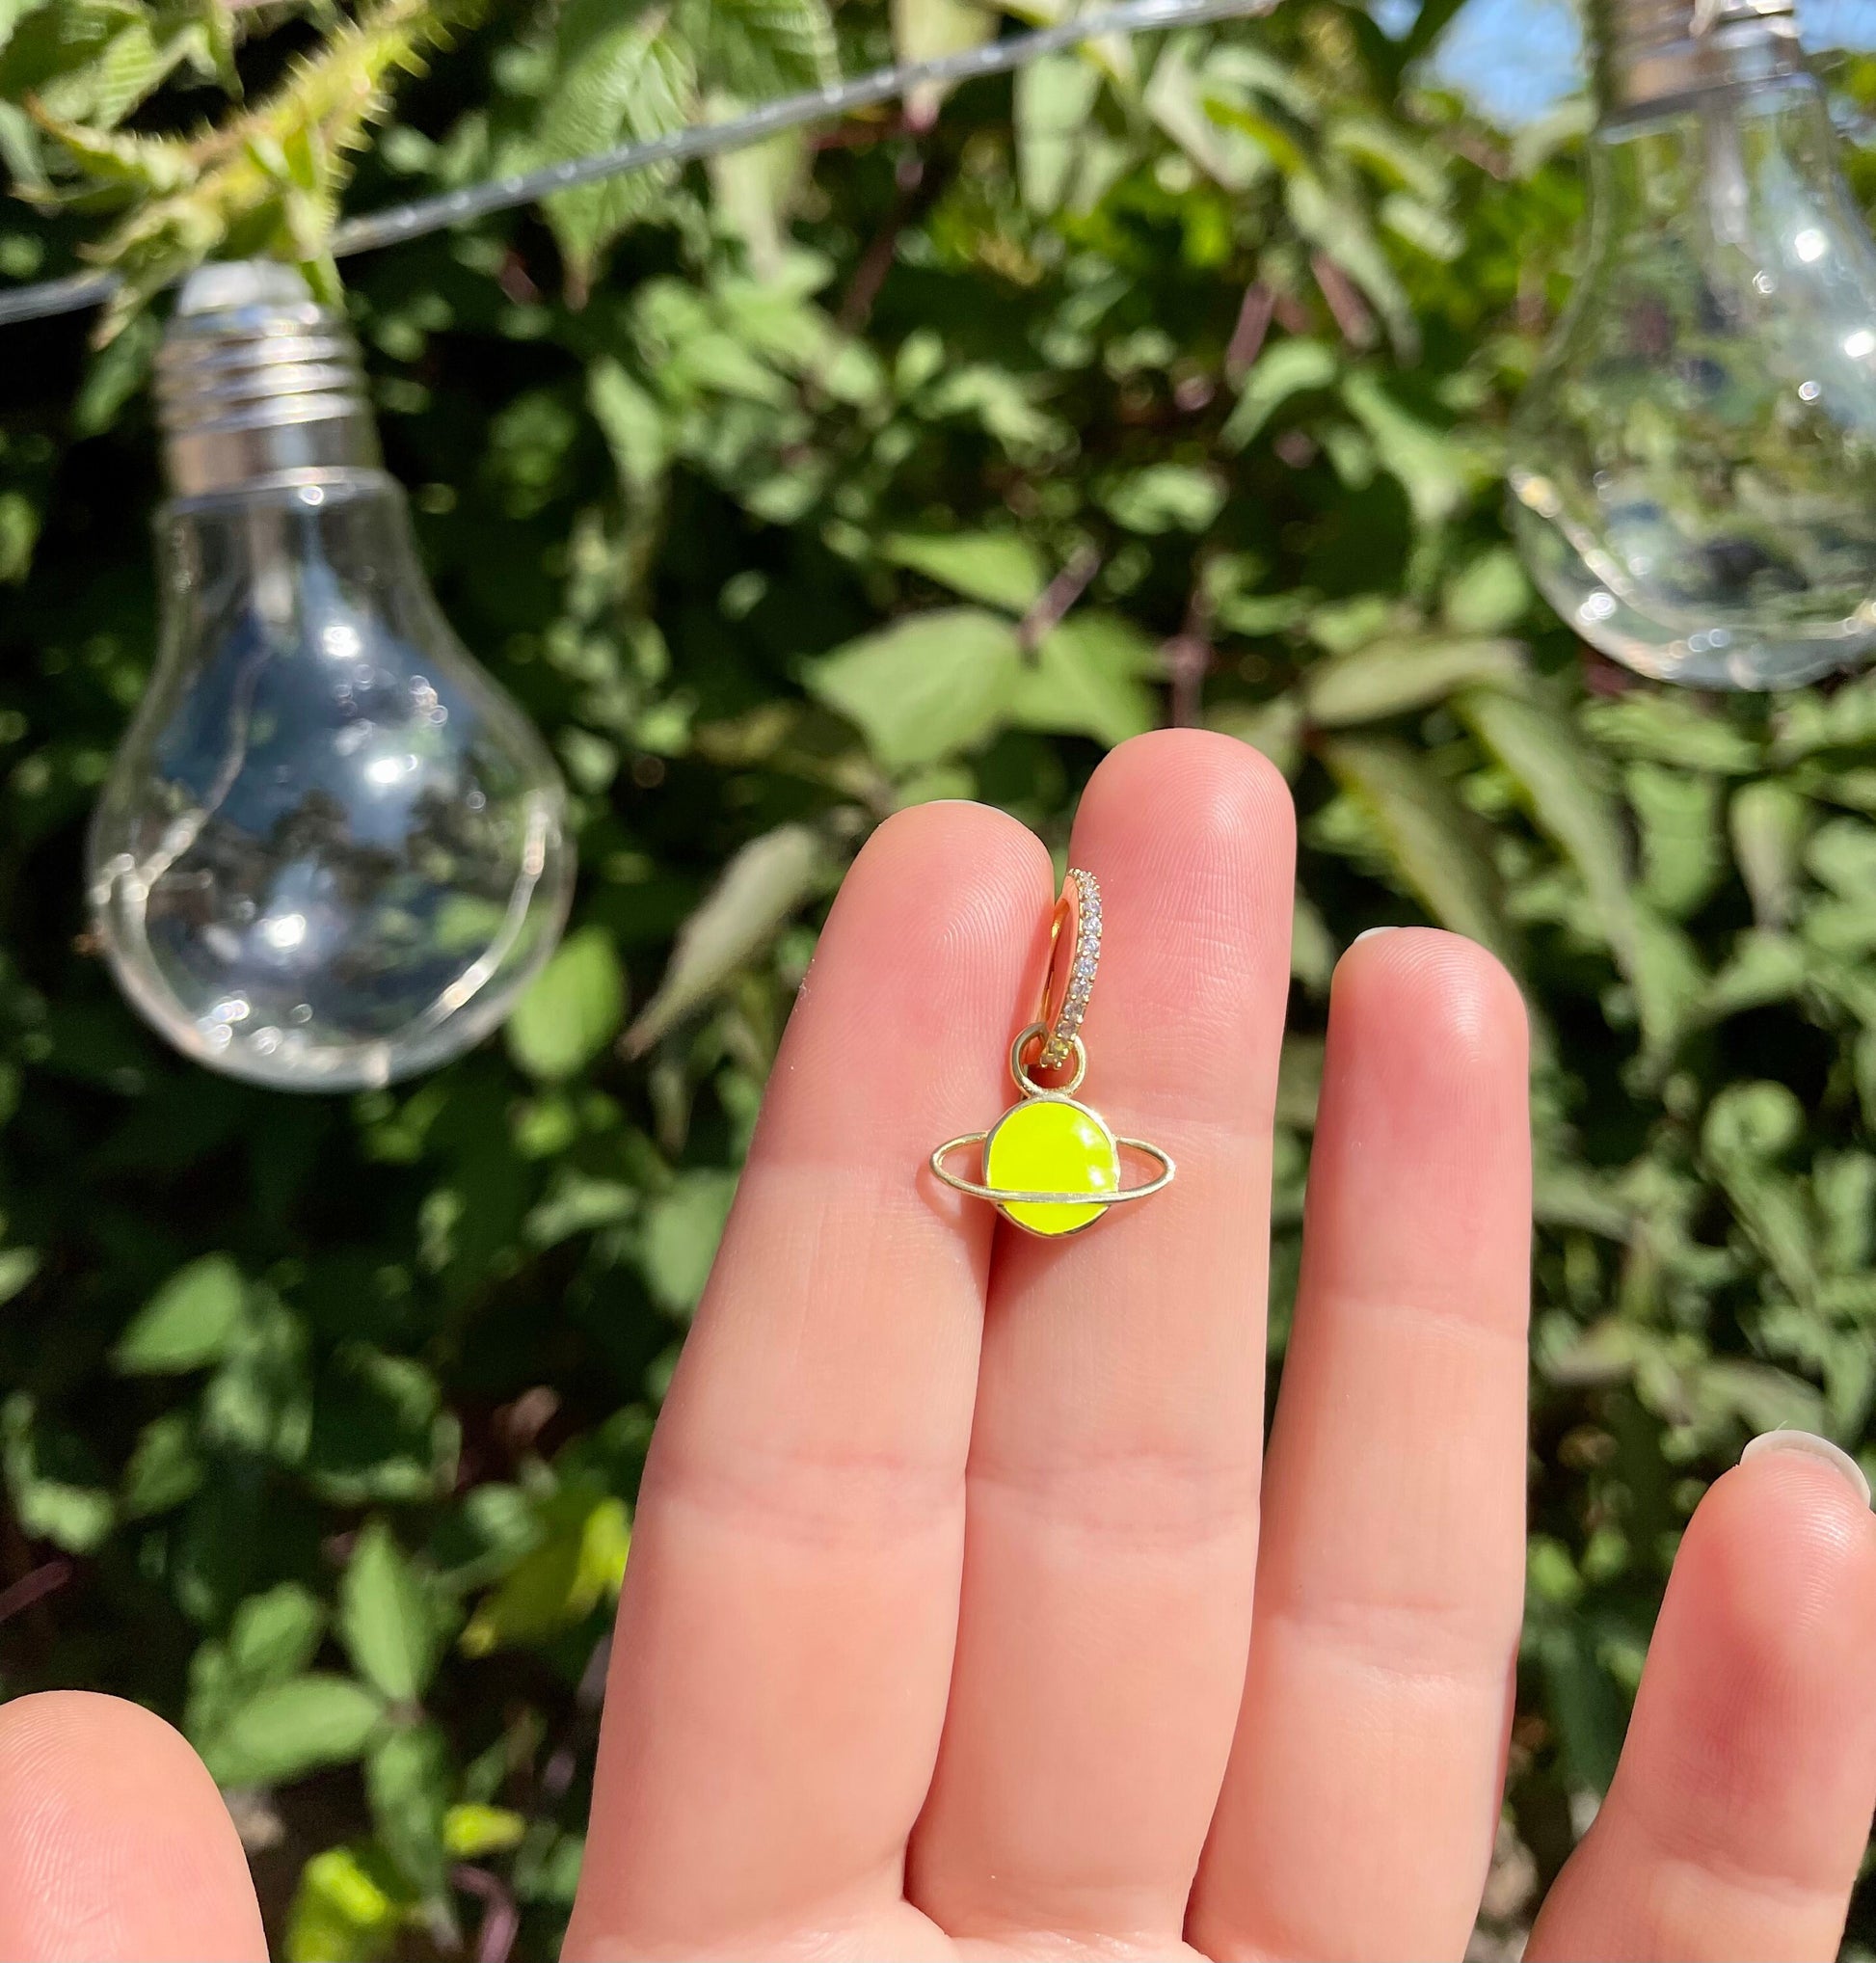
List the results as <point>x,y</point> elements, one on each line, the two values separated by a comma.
<point>956,1622</point>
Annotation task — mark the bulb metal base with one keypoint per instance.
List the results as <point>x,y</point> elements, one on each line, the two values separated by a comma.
<point>1651,51</point>
<point>255,379</point>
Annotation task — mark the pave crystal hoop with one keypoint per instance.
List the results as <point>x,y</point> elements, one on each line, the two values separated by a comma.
<point>1074,954</point>
<point>1051,1165</point>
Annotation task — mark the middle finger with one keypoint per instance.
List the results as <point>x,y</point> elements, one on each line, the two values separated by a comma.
<point>1111,1523</point>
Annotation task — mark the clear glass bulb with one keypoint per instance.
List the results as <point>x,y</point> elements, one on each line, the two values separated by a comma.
<point>331,852</point>
<point>1693,467</point>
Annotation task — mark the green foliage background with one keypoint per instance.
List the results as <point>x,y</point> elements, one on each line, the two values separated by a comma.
<point>925,456</point>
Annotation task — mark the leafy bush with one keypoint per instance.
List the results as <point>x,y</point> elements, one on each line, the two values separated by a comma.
<point>925,455</point>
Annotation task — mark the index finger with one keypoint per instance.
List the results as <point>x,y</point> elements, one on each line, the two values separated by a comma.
<point>785,1635</point>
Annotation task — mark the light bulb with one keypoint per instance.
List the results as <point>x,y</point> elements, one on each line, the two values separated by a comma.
<point>1693,467</point>
<point>331,852</point>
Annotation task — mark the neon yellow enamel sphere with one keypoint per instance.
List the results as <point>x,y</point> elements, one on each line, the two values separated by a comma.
<point>1051,1144</point>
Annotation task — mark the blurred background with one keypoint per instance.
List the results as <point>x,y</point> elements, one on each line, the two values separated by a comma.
<point>925,453</point>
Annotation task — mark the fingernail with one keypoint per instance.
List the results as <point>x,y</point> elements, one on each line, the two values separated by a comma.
<point>1368,933</point>
<point>1834,1456</point>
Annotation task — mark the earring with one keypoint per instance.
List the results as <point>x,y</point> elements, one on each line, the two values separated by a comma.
<point>1049,1164</point>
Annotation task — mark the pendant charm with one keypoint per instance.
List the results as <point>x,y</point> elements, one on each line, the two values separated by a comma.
<point>1049,1164</point>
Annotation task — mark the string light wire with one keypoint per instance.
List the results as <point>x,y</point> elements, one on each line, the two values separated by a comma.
<point>371,230</point>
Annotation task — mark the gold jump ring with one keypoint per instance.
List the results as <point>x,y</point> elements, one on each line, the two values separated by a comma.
<point>1026,1084</point>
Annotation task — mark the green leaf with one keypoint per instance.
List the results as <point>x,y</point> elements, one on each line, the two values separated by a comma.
<point>1768,821</point>
<point>573,1008</point>
<point>258,1401</point>
<point>1748,1128</point>
<point>52,1480</point>
<point>12,12</point>
<point>1842,857</point>
<point>1811,722</point>
<point>1284,371</point>
<point>408,1779</point>
<point>1395,675</point>
<point>925,29</point>
<point>1342,626</point>
<point>379,1431</point>
<point>681,1228</point>
<point>275,1635</point>
<point>118,374</point>
<point>164,1469</point>
<point>18,1268</point>
<point>1843,1185</point>
<point>1197,116</point>
<point>1422,225</point>
<point>1088,678</point>
<point>1765,967</point>
<point>470,1832</point>
<point>578,1564</point>
<point>386,1618</point>
<point>1684,855</point>
<point>1338,227</point>
<point>289,1730</point>
<point>1488,596</point>
<point>1567,1195</point>
<point>1002,404</point>
<point>622,76</point>
<point>20,517</point>
<point>763,887</point>
<point>753,189</point>
<point>1561,784</point>
<point>1394,154</point>
<point>1053,100</point>
<point>341,1913</point>
<point>927,687</point>
<point>1299,1081</point>
<point>1426,461</point>
<point>1432,843</point>
<point>998,567</point>
<point>1658,727</point>
<point>1164,497</point>
<point>1312,946</point>
<point>633,423</point>
<point>1586,1706</point>
<point>759,48</point>
<point>191,1321</point>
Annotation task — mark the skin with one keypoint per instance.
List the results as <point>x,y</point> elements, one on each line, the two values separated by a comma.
<point>968,1612</point>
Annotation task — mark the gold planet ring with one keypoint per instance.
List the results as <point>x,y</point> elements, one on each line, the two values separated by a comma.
<point>1051,1165</point>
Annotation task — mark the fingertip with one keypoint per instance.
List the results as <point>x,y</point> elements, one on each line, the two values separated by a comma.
<point>1192,837</point>
<point>54,1739</point>
<point>1223,790</point>
<point>1740,1811</point>
<point>1755,1733</point>
<point>942,912</point>
<point>1782,1547</point>
<point>946,842</point>
<point>114,1840</point>
<point>80,1718</point>
<point>1442,985</point>
<point>1809,1445</point>
<point>1429,1049</point>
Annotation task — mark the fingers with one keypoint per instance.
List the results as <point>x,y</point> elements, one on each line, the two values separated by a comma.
<point>1390,1579</point>
<point>784,1634</point>
<point>1113,1472</point>
<point>1741,1806</point>
<point>114,1841</point>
